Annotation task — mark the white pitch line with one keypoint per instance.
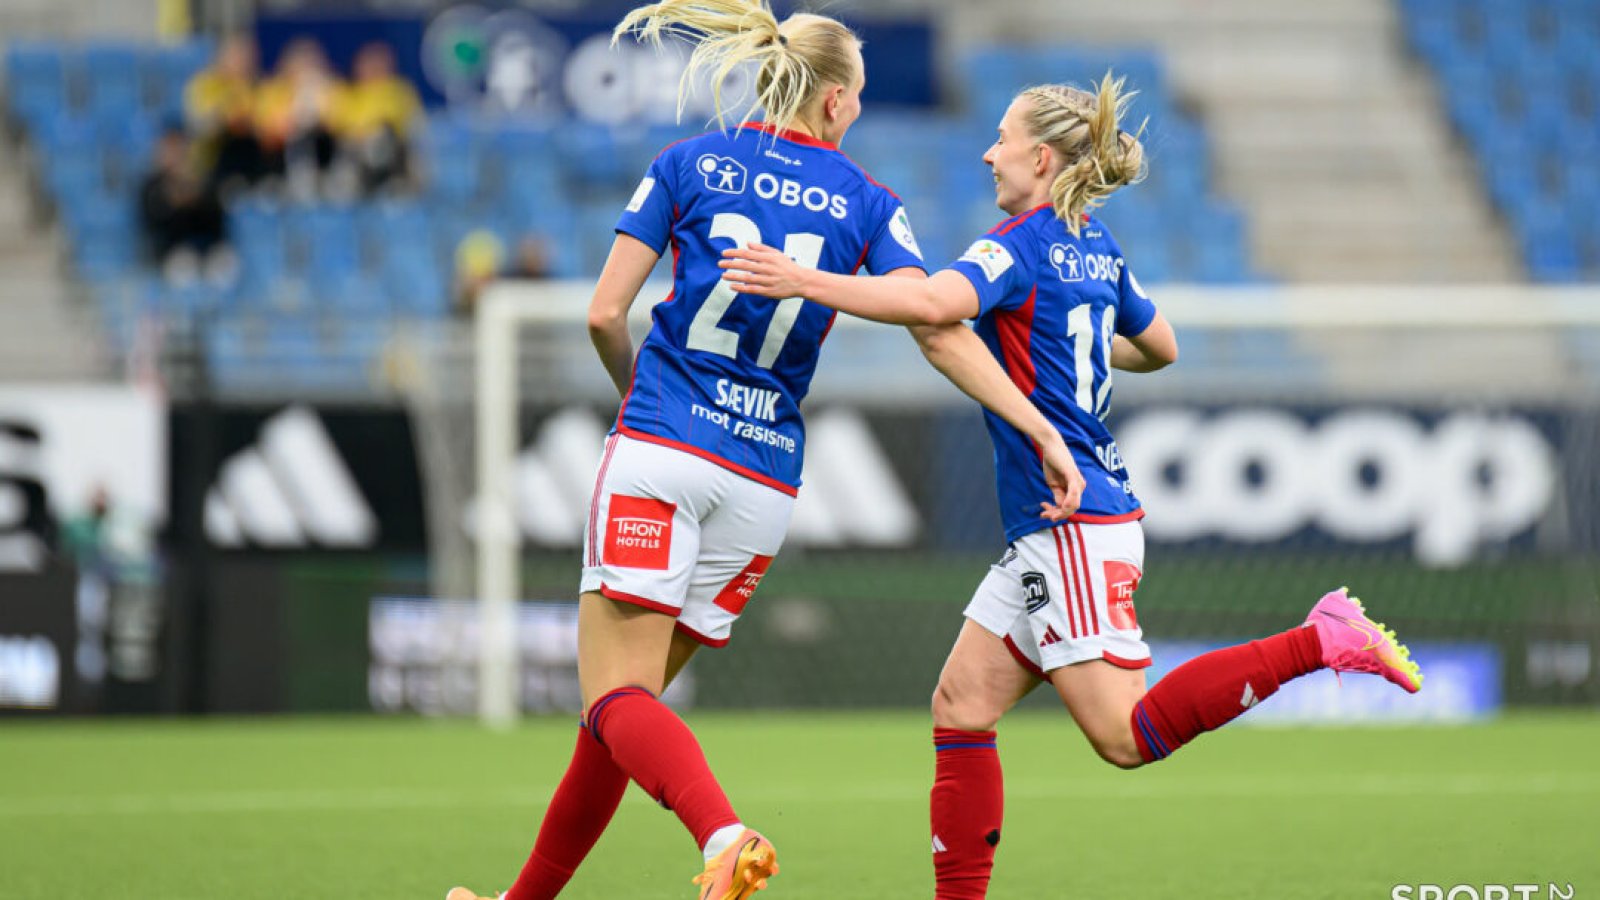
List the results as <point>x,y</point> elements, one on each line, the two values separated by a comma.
<point>1022,789</point>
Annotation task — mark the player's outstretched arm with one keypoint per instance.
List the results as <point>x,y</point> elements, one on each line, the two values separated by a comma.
<point>961,356</point>
<point>944,297</point>
<point>624,274</point>
<point>1154,348</point>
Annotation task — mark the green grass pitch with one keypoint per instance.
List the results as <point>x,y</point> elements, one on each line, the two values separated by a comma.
<point>372,809</point>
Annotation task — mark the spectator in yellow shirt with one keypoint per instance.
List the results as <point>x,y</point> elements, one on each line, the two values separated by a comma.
<point>294,116</point>
<point>375,119</point>
<point>220,104</point>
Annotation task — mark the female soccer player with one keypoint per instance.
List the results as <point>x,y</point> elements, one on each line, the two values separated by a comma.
<point>695,488</point>
<point>1055,302</point>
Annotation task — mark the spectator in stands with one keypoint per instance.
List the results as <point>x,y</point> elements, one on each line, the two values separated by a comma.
<point>532,259</point>
<point>181,214</point>
<point>478,259</point>
<point>295,115</point>
<point>481,259</point>
<point>375,120</point>
<point>220,105</point>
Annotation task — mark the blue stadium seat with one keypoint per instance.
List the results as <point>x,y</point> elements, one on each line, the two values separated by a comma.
<point>393,228</point>
<point>36,81</point>
<point>451,157</point>
<point>331,244</point>
<point>589,153</point>
<point>258,234</point>
<point>167,71</point>
<point>348,295</point>
<point>416,285</point>
<point>112,78</point>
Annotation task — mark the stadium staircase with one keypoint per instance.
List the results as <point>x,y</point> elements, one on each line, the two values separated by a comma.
<point>48,333</point>
<point>1323,129</point>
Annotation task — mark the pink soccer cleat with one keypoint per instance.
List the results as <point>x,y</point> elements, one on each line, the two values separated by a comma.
<point>461,893</point>
<point>1352,642</point>
<point>740,870</point>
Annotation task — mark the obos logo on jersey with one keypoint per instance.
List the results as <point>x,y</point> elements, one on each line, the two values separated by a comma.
<point>722,174</point>
<point>1068,262</point>
<point>639,532</point>
<point>1122,579</point>
<point>989,256</point>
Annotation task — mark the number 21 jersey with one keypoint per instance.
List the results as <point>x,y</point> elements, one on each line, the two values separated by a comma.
<point>721,374</point>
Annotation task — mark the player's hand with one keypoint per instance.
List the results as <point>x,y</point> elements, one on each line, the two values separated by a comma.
<point>759,269</point>
<point>1064,480</point>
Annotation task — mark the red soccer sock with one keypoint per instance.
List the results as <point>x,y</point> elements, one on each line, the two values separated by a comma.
<point>650,743</point>
<point>1215,688</point>
<point>965,807</point>
<point>578,814</point>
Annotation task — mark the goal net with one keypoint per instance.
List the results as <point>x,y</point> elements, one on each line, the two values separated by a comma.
<point>1433,449</point>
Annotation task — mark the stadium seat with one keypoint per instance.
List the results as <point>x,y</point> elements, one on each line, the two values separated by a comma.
<point>330,245</point>
<point>36,82</point>
<point>112,79</point>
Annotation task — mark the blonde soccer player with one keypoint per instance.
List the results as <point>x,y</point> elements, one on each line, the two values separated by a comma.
<point>700,472</point>
<point>1055,303</point>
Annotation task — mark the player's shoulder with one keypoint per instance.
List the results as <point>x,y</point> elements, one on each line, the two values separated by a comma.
<point>1094,233</point>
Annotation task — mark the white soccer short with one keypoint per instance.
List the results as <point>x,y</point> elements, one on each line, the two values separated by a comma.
<point>1065,595</point>
<point>681,535</point>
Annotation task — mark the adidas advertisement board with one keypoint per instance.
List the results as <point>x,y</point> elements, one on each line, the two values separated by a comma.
<point>1436,485</point>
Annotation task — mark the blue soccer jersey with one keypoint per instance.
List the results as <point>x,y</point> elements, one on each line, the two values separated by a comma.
<point>1048,305</point>
<point>721,374</point>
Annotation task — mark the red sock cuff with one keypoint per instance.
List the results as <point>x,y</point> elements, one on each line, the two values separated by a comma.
<point>957,739</point>
<point>595,716</point>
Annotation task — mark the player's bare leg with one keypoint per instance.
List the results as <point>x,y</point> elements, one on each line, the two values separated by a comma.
<point>981,681</point>
<point>1100,697</point>
<point>620,645</point>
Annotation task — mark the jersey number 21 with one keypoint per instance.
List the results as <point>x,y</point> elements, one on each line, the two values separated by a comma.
<point>704,332</point>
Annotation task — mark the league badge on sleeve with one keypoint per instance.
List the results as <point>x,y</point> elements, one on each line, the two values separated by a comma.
<point>641,194</point>
<point>900,227</point>
<point>989,256</point>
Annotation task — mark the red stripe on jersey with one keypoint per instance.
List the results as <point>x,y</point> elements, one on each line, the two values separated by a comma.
<point>1006,226</point>
<point>708,456</point>
<point>1092,519</point>
<point>1068,582</point>
<point>1015,328</point>
<point>827,329</point>
<point>863,258</point>
<point>797,136</point>
<point>1088,577</point>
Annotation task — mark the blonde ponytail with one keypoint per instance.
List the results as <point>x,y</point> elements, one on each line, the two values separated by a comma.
<point>794,59</point>
<point>1083,130</point>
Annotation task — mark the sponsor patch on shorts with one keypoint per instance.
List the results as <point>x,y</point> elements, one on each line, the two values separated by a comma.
<point>639,532</point>
<point>1035,591</point>
<point>1122,579</point>
<point>736,593</point>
